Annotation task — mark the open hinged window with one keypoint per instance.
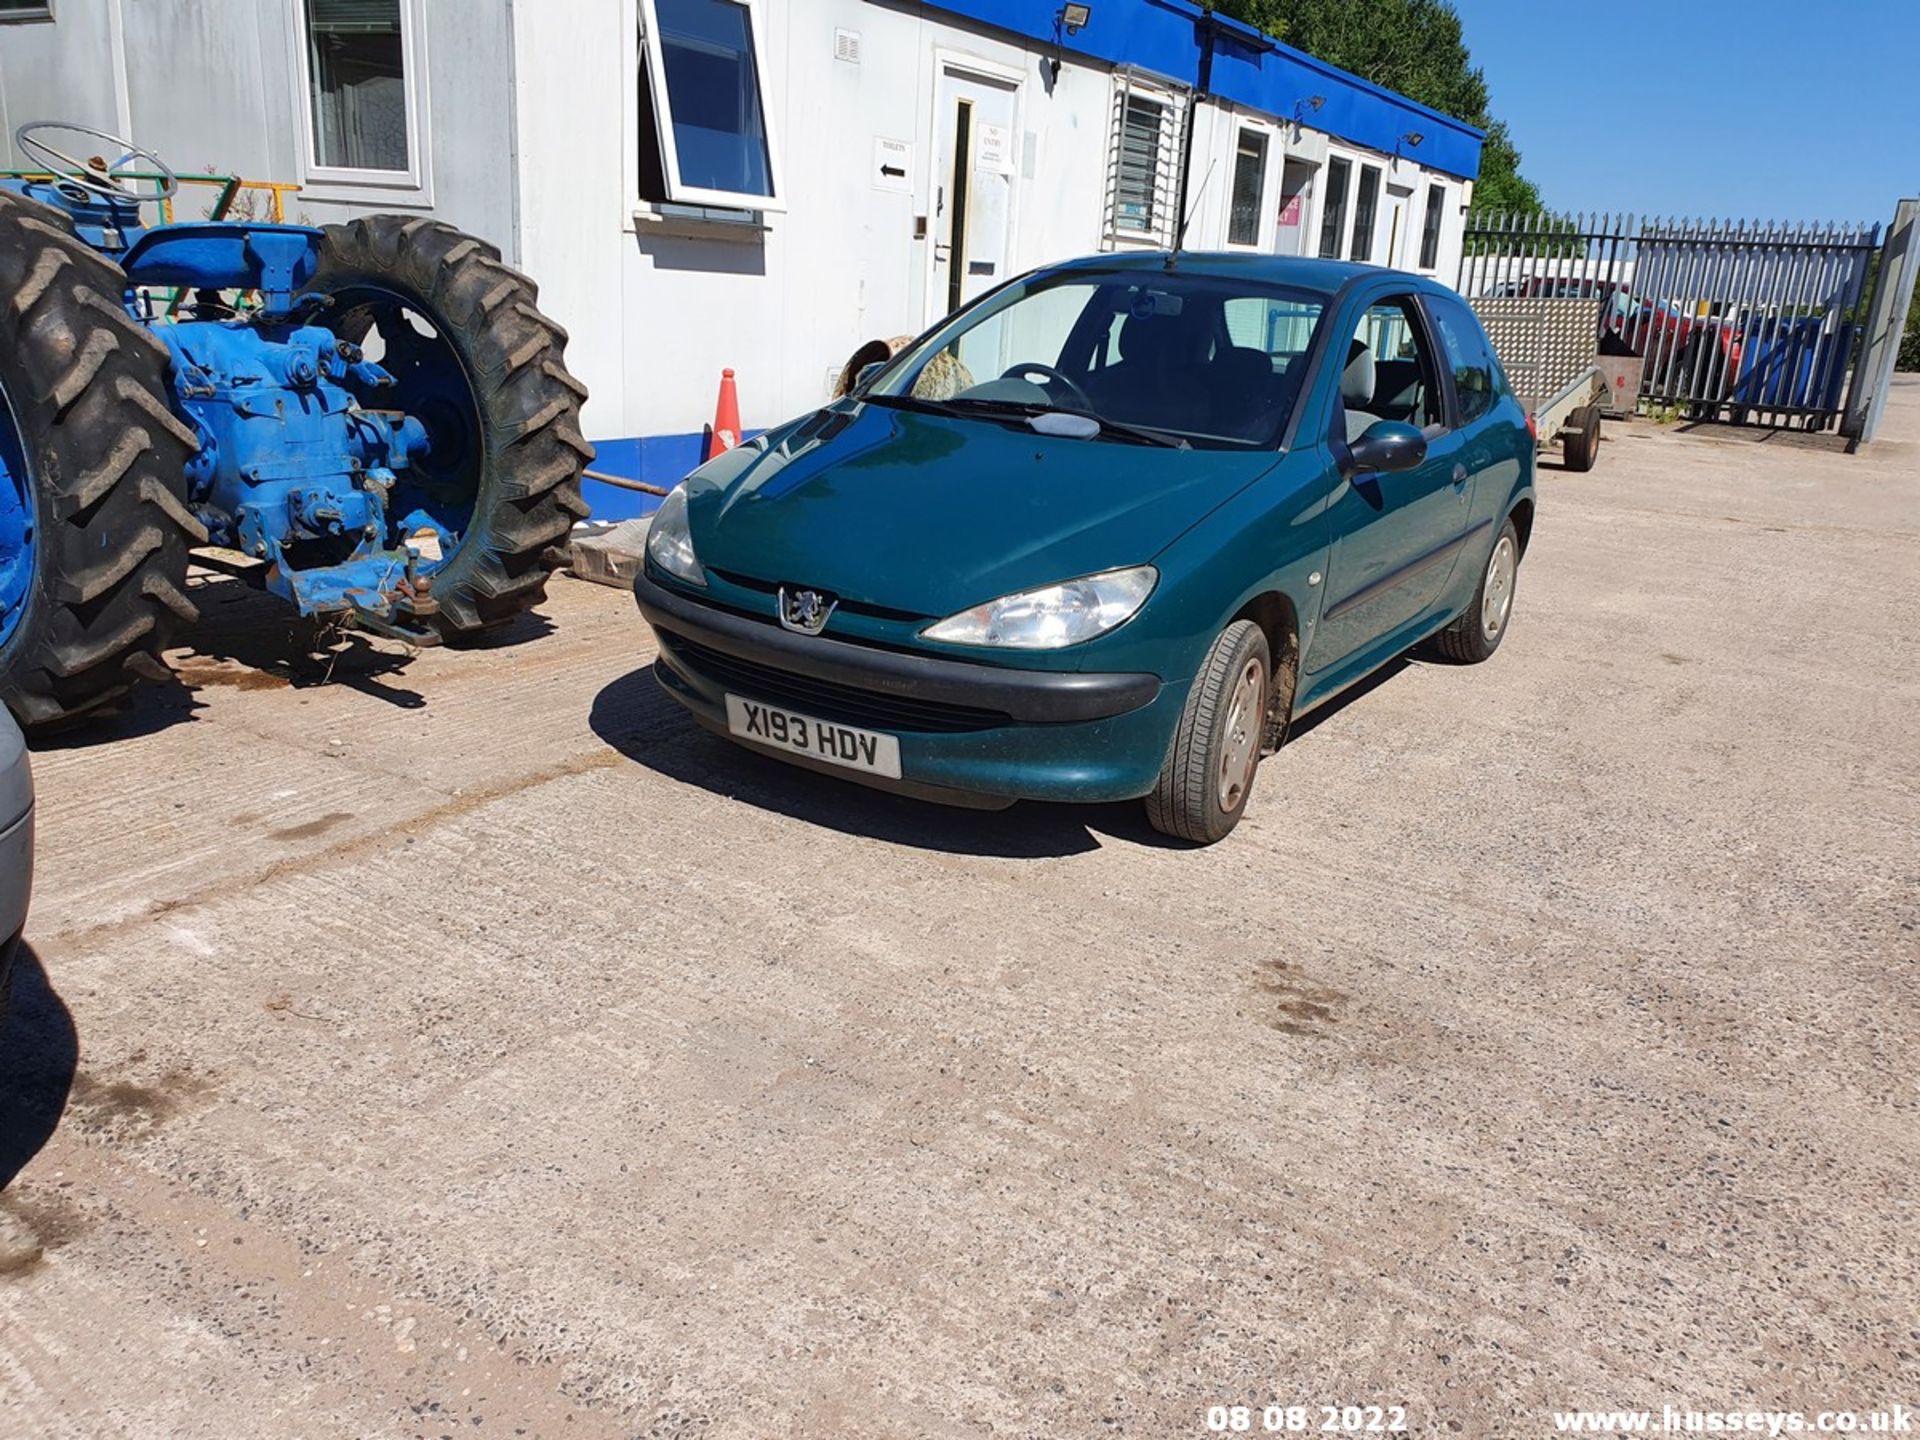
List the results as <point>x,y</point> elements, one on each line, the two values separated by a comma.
<point>705,134</point>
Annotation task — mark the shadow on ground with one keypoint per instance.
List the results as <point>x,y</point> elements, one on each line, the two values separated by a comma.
<point>1315,718</point>
<point>247,639</point>
<point>39,1051</point>
<point>637,718</point>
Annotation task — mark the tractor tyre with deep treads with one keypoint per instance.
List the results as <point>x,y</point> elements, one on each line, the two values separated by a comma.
<point>526,404</point>
<point>86,386</point>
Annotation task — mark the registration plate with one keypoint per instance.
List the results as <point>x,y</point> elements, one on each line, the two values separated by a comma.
<point>799,734</point>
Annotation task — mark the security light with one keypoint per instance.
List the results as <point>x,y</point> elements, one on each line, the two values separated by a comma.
<point>1075,17</point>
<point>1413,137</point>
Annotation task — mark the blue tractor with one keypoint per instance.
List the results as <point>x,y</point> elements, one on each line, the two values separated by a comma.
<point>372,420</point>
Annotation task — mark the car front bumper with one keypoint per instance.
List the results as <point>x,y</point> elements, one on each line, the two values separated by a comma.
<point>970,734</point>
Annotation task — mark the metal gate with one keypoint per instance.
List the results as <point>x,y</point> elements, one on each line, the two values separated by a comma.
<point>1750,322</point>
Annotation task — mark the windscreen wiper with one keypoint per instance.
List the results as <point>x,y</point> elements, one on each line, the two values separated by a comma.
<point>1145,434</point>
<point>912,402</point>
<point>1139,434</point>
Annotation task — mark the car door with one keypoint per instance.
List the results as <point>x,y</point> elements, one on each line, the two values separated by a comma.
<point>1485,431</point>
<point>1393,537</point>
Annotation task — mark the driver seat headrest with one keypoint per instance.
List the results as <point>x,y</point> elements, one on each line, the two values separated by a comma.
<point>1167,340</point>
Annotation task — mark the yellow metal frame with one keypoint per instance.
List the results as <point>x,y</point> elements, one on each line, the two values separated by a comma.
<point>277,191</point>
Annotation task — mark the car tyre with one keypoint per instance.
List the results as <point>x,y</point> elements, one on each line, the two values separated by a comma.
<point>1210,767</point>
<point>1479,629</point>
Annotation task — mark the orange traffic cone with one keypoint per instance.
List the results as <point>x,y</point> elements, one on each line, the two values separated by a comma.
<point>725,433</point>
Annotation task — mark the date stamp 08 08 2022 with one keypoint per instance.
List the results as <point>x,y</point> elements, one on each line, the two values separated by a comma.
<point>1307,1419</point>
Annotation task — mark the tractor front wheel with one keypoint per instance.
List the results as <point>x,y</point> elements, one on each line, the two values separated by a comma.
<point>94,527</point>
<point>483,369</point>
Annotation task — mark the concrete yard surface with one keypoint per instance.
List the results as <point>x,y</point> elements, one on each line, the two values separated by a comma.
<point>463,1043</point>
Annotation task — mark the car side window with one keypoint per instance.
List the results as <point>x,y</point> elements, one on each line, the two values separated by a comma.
<point>1476,376</point>
<point>1389,370</point>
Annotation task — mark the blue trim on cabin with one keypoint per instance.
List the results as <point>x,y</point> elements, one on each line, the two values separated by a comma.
<point>1164,37</point>
<point>663,460</point>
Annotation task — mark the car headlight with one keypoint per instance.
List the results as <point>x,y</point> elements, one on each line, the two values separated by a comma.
<point>1053,616</point>
<point>670,543</point>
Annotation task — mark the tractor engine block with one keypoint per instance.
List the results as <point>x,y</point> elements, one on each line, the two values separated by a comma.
<point>291,470</point>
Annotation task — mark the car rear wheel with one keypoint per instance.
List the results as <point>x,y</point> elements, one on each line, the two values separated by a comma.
<point>1480,628</point>
<point>1203,786</point>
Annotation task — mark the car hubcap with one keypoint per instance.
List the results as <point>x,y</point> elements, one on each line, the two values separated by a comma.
<point>1246,714</point>
<point>1497,593</point>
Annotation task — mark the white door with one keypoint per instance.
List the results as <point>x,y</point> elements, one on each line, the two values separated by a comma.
<point>973,159</point>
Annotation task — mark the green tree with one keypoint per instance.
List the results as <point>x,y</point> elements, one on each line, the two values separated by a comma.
<point>1415,47</point>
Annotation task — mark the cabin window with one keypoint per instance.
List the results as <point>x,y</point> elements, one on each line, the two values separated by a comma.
<point>1143,124</point>
<point>362,112</point>
<point>705,135</point>
<point>1249,188</point>
<point>1365,210</point>
<point>1430,226</point>
<point>1333,216</point>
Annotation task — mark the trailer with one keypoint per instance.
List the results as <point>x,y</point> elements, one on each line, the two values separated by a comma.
<point>1549,345</point>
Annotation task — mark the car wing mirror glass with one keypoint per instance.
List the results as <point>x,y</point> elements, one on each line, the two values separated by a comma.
<point>867,373</point>
<point>1386,446</point>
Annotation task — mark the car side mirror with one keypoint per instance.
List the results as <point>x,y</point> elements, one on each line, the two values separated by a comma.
<point>1386,446</point>
<point>865,376</point>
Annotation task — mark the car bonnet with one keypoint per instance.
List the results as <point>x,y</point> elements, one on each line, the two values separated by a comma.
<point>931,514</point>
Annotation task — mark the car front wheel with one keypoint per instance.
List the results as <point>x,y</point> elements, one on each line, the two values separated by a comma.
<point>1480,628</point>
<point>1203,786</point>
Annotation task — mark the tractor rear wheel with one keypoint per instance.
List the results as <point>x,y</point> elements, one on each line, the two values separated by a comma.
<point>491,386</point>
<point>94,527</point>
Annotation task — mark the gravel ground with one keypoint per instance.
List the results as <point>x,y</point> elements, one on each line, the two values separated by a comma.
<point>468,1045</point>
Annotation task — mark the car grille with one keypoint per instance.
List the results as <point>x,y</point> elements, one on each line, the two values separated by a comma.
<point>828,699</point>
<point>850,607</point>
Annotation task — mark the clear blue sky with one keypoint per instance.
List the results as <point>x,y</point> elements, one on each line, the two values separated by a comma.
<point>1769,109</point>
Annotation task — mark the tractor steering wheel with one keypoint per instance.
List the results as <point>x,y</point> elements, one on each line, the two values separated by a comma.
<point>1035,367</point>
<point>96,176</point>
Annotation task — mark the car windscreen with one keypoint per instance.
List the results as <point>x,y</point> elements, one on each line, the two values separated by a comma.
<point>1207,360</point>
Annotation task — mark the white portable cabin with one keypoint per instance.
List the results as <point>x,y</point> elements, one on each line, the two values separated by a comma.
<point>759,185</point>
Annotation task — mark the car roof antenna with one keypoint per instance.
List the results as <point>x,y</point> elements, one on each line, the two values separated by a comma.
<point>1180,237</point>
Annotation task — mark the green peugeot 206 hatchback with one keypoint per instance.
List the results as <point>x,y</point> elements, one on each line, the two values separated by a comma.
<point>1103,534</point>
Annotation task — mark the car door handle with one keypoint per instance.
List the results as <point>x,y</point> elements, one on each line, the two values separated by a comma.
<point>1459,475</point>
